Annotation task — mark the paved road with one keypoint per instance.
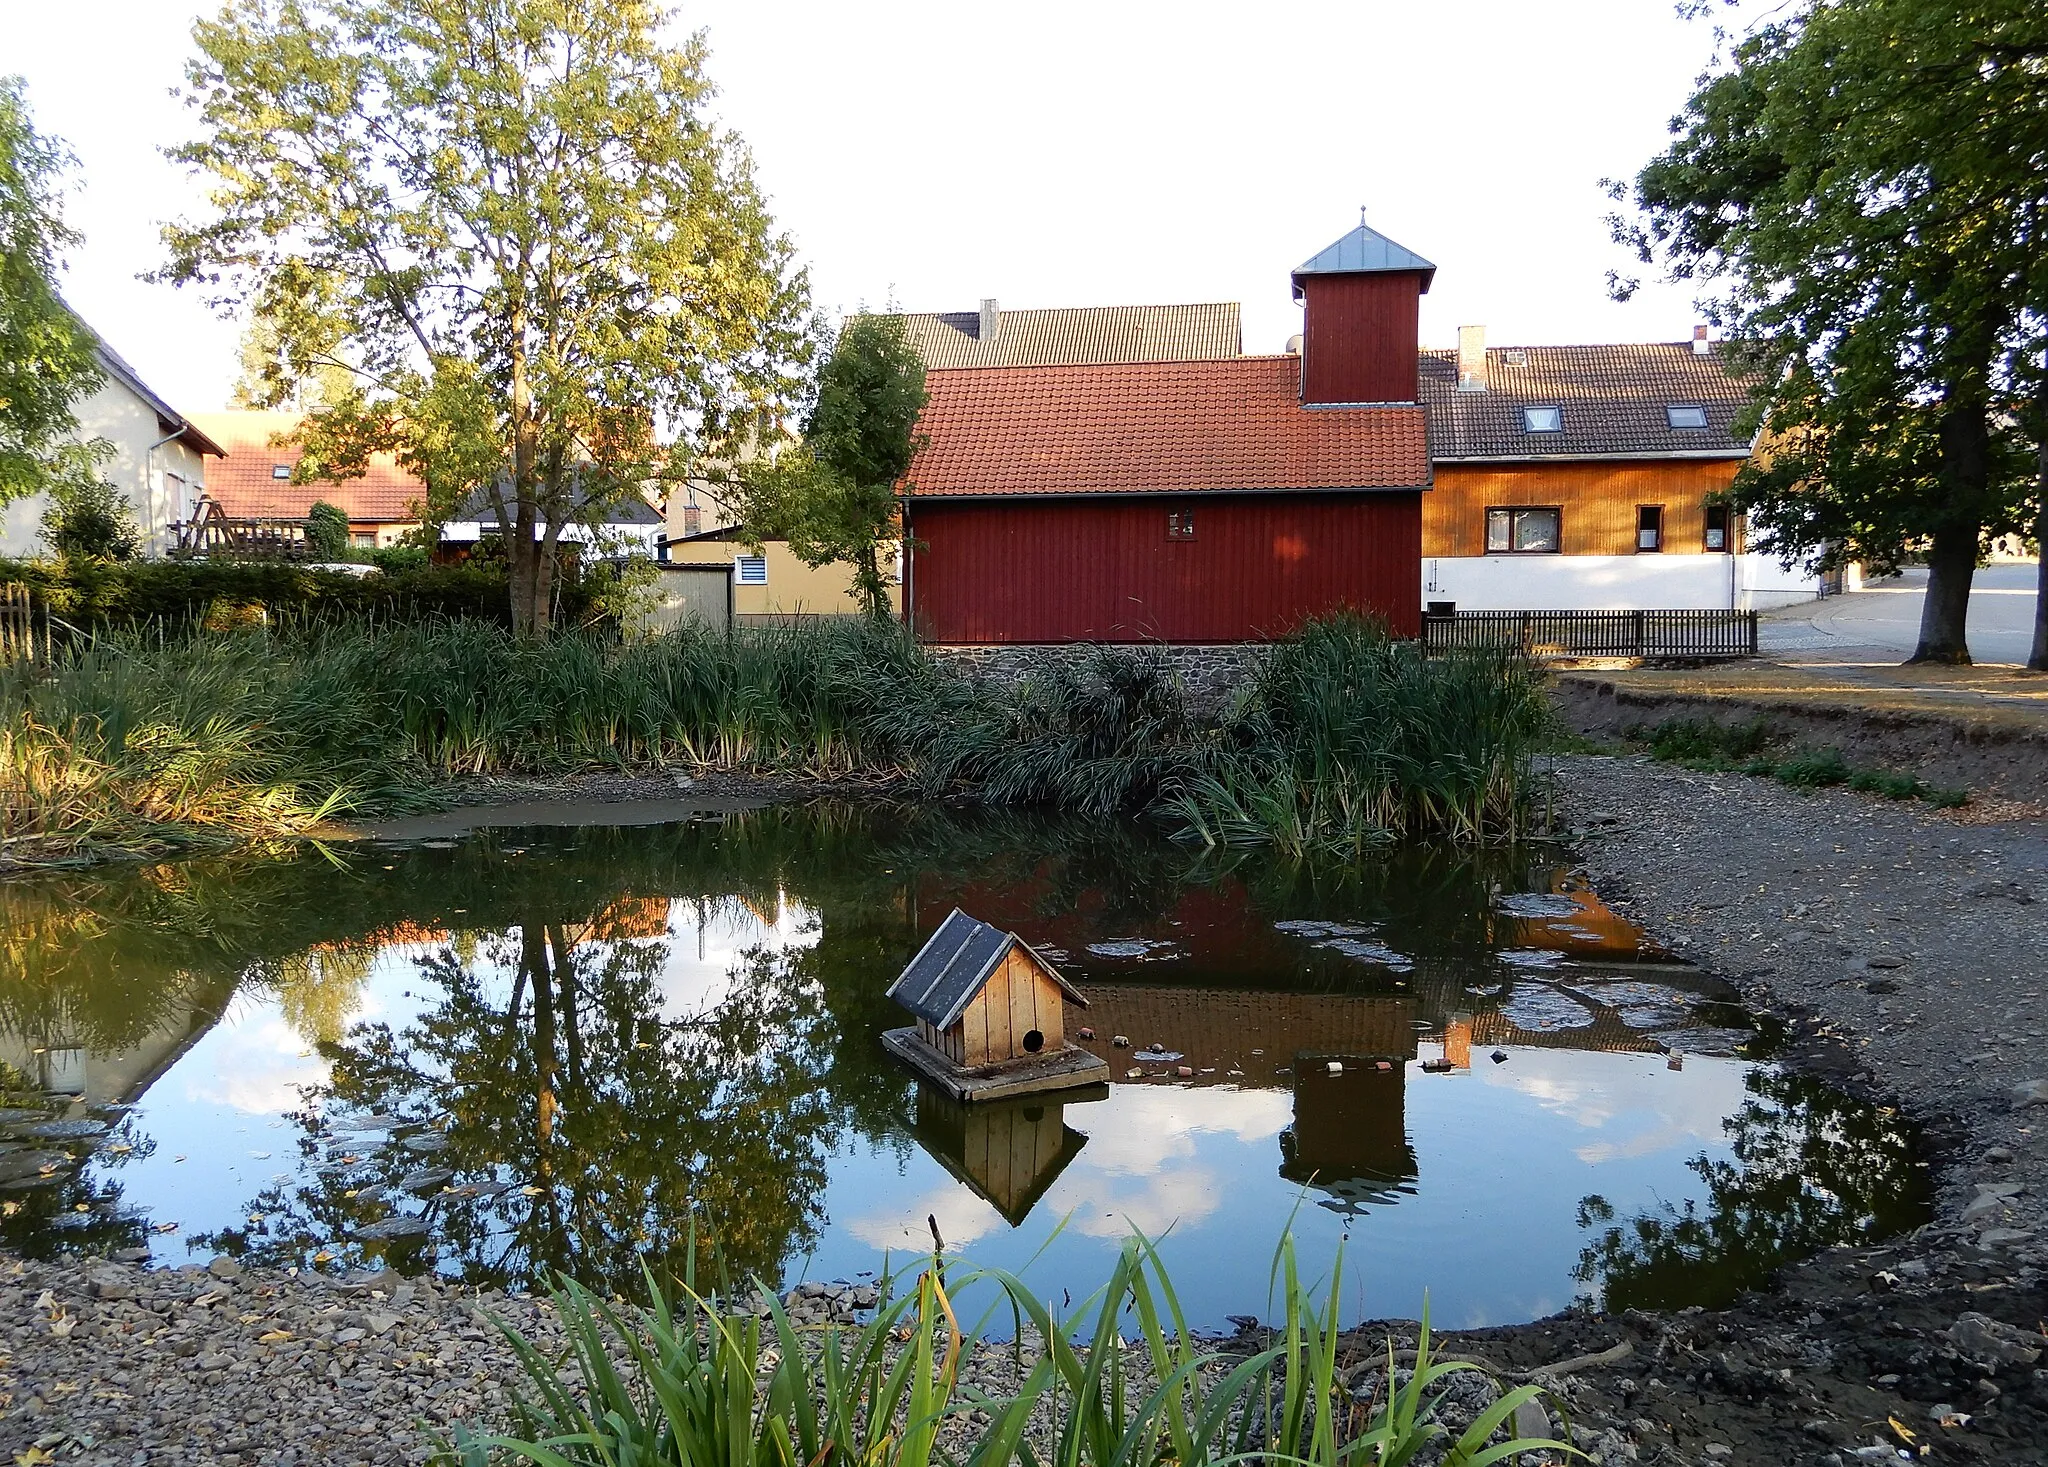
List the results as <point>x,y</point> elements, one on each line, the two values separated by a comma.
<point>1884,618</point>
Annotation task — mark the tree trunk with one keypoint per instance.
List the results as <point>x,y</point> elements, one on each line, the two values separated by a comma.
<point>2037,659</point>
<point>1944,617</point>
<point>1952,559</point>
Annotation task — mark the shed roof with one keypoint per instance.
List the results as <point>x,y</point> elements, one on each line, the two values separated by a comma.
<point>1364,251</point>
<point>1152,428</point>
<point>1613,400</point>
<point>1072,335</point>
<point>951,968</point>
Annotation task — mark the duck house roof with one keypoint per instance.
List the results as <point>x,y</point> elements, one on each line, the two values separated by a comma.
<point>951,968</point>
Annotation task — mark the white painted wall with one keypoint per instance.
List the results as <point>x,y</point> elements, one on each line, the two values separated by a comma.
<point>162,483</point>
<point>645,538</point>
<point>1614,582</point>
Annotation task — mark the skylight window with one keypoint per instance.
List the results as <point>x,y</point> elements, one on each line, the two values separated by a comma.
<point>1686,416</point>
<point>280,471</point>
<point>1543,419</point>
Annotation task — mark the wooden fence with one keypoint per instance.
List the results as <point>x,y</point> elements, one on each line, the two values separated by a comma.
<point>1690,634</point>
<point>24,627</point>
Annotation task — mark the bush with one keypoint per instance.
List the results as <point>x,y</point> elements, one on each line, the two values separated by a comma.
<point>100,595</point>
<point>1346,737</point>
<point>91,521</point>
<point>327,531</point>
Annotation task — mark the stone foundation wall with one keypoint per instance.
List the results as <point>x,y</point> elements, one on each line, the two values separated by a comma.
<point>1210,672</point>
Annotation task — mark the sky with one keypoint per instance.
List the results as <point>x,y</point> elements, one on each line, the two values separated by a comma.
<point>1058,153</point>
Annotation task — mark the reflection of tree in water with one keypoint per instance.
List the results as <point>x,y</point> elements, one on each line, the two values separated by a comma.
<point>1811,1168</point>
<point>609,1120</point>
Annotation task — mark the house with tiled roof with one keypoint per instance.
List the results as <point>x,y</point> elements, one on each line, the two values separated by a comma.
<point>1589,478</point>
<point>255,481</point>
<point>1217,499</point>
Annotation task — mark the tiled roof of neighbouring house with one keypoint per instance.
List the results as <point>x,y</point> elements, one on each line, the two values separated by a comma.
<point>1613,402</point>
<point>1156,427</point>
<point>246,486</point>
<point>1080,334</point>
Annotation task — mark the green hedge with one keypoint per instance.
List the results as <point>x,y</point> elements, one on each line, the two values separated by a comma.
<point>132,592</point>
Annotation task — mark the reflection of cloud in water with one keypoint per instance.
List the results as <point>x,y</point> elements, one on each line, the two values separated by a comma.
<point>1139,1168</point>
<point>1140,1130</point>
<point>709,941</point>
<point>962,1216</point>
<point>1649,1108</point>
<point>261,1063</point>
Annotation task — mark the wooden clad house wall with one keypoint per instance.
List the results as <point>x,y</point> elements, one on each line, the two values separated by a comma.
<point>1359,337</point>
<point>1598,501</point>
<point>1016,999</point>
<point>1102,569</point>
<point>1007,1149</point>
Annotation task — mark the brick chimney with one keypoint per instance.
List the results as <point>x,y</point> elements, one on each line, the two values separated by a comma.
<point>1471,359</point>
<point>991,321</point>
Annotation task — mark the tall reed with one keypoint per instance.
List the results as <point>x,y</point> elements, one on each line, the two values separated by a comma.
<point>687,1382</point>
<point>144,739</point>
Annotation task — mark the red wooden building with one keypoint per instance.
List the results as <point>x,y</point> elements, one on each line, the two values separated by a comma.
<point>1219,500</point>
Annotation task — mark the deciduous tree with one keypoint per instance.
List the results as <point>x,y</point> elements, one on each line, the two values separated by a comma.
<point>550,275</point>
<point>834,497</point>
<point>1857,193</point>
<point>47,362</point>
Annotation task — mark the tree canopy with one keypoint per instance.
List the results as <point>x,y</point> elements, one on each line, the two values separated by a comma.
<point>47,361</point>
<point>551,277</point>
<point>834,496</point>
<point>1857,190</point>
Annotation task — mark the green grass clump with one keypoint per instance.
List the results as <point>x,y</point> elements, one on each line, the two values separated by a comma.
<point>141,740</point>
<point>1747,748</point>
<point>688,1383</point>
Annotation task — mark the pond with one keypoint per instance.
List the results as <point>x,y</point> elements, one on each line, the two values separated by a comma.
<point>523,1050</point>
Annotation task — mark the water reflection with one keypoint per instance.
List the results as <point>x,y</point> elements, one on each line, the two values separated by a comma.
<point>526,1052</point>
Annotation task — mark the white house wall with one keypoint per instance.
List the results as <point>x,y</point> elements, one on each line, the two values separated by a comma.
<point>161,483</point>
<point>1613,582</point>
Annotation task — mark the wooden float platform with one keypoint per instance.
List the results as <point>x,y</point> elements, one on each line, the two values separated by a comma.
<point>1063,1069</point>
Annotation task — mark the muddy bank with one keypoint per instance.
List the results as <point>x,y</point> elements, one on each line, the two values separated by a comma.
<point>2005,755</point>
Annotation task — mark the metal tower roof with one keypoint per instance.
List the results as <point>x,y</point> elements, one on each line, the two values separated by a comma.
<point>1364,251</point>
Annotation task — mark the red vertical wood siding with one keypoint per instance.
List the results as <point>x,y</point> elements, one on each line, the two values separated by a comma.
<point>1359,337</point>
<point>1102,570</point>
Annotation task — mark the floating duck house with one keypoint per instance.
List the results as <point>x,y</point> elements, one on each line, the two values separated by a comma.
<point>991,1016</point>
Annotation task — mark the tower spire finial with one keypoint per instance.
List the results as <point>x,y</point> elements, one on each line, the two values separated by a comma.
<point>1361,216</point>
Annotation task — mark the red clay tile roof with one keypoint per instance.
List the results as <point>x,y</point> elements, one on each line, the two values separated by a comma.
<point>244,485</point>
<point>1155,427</point>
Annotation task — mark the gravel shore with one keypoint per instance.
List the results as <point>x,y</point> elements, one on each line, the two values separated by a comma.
<point>1904,951</point>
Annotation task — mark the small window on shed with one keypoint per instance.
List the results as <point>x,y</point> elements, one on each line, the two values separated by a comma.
<point>1543,419</point>
<point>280,471</point>
<point>1687,417</point>
<point>1180,524</point>
<point>750,570</point>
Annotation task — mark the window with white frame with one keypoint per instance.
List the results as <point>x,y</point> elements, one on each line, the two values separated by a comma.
<point>750,570</point>
<point>280,471</point>
<point>1519,530</point>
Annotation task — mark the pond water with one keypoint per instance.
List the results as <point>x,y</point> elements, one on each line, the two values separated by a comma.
<point>518,1051</point>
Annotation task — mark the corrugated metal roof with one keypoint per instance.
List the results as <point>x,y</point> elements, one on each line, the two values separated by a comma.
<point>1612,401</point>
<point>1078,335</point>
<point>1364,251</point>
<point>1155,427</point>
<point>950,969</point>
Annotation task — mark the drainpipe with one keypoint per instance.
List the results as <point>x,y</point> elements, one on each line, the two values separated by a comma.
<point>148,459</point>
